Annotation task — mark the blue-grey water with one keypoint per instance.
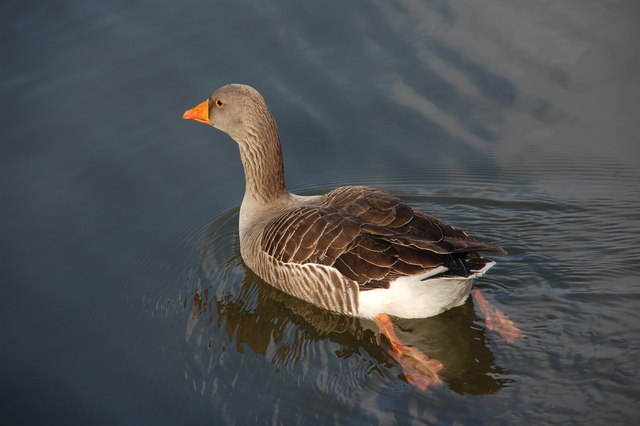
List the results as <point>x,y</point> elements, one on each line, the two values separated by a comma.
<point>123,297</point>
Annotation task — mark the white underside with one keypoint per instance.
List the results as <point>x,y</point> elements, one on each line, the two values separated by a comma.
<point>418,296</point>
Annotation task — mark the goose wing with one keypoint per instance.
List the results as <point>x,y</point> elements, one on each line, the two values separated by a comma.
<point>371,237</point>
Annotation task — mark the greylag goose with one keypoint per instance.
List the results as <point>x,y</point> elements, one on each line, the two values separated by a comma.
<point>356,250</point>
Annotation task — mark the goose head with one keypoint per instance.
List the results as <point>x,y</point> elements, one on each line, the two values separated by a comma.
<point>236,109</point>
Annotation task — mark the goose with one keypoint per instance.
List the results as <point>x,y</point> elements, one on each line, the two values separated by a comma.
<point>356,250</point>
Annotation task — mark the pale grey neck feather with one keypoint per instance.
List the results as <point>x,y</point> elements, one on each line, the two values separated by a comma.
<point>262,158</point>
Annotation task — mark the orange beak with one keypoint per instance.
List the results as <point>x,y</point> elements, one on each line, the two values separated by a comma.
<point>199,113</point>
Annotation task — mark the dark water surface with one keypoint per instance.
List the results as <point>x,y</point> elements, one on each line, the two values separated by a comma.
<point>124,299</point>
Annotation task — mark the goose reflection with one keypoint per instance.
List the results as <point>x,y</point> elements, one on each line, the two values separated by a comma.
<point>255,316</point>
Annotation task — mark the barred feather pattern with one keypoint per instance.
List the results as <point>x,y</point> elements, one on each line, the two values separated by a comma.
<point>370,237</point>
<point>320,285</point>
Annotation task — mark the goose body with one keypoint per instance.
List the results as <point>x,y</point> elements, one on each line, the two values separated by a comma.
<point>360,251</point>
<point>356,250</point>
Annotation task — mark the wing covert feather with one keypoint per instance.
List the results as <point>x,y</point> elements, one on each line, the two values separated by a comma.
<point>369,235</point>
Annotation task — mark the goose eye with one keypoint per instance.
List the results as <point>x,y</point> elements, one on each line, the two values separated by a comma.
<point>218,102</point>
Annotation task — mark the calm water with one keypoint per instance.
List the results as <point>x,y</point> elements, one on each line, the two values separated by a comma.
<point>124,298</point>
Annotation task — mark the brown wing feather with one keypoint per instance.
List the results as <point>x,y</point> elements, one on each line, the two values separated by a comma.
<point>370,236</point>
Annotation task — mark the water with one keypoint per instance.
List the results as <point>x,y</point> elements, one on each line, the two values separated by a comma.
<point>124,299</point>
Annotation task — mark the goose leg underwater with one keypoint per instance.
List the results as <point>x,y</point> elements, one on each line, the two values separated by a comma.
<point>355,250</point>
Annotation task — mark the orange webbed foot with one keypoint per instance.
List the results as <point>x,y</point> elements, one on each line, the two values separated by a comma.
<point>495,319</point>
<point>420,370</point>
